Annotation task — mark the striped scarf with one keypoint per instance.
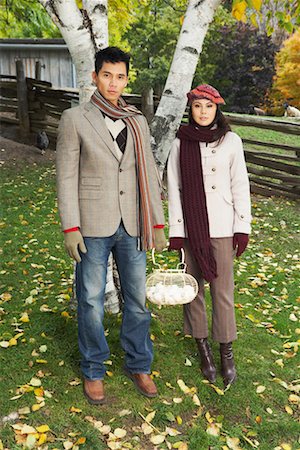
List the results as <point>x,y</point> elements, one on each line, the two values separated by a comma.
<point>128,113</point>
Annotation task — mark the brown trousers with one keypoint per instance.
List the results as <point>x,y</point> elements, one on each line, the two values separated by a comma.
<point>221,290</point>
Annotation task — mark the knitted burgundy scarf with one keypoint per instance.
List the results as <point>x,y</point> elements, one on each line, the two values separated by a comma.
<point>193,195</point>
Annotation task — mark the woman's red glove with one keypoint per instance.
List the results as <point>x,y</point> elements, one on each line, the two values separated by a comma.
<point>240,242</point>
<point>176,243</point>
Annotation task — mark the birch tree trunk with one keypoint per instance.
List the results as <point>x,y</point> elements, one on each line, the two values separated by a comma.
<point>198,16</point>
<point>85,31</point>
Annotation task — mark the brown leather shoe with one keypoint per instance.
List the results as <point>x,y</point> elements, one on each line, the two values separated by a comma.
<point>143,383</point>
<point>94,391</point>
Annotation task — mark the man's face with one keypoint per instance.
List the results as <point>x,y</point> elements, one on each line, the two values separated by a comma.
<point>111,80</point>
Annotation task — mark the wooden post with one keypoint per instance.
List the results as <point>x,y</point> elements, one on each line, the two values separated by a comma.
<point>38,70</point>
<point>23,113</point>
<point>148,104</point>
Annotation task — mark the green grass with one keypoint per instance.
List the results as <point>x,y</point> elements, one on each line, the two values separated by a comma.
<point>36,272</point>
<point>264,135</point>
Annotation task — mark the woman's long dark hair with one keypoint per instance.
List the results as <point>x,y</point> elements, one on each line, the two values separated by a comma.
<point>219,120</point>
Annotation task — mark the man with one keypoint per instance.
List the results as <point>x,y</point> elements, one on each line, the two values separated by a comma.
<point>109,201</point>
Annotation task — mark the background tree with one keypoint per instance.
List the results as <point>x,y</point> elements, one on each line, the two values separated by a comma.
<point>240,61</point>
<point>24,19</point>
<point>287,80</point>
<point>152,37</point>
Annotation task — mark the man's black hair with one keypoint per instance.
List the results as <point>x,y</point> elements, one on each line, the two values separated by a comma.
<point>111,55</point>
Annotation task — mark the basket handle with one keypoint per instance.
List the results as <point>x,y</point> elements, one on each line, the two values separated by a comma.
<point>153,259</point>
<point>181,263</point>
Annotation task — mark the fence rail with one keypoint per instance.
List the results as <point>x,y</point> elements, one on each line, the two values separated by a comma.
<point>273,171</point>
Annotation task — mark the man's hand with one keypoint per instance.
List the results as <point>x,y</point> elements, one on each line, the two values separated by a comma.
<point>73,240</point>
<point>160,241</point>
<point>240,242</point>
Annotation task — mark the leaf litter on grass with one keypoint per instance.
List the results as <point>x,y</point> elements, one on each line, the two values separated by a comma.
<point>266,279</point>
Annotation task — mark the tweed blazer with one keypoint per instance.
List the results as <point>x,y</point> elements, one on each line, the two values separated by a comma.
<point>226,186</point>
<point>95,188</point>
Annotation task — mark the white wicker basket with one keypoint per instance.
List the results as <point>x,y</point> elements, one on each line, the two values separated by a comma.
<point>171,286</point>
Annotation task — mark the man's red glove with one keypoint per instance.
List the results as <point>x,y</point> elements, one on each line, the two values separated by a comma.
<point>176,243</point>
<point>240,242</point>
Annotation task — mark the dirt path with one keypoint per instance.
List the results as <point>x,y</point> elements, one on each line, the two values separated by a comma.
<point>17,152</point>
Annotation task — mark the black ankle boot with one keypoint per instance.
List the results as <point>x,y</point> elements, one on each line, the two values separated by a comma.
<point>207,361</point>
<point>228,370</point>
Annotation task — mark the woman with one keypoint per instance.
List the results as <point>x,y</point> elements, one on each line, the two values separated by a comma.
<point>209,216</point>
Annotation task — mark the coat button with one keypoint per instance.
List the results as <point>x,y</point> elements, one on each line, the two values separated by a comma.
<point>213,169</point>
<point>242,216</point>
<point>179,220</point>
<point>213,187</point>
<point>121,192</point>
<point>213,151</point>
<point>120,170</point>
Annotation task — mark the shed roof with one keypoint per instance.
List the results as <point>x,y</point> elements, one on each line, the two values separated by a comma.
<point>28,43</point>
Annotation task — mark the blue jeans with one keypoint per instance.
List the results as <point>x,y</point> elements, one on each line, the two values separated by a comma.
<point>90,287</point>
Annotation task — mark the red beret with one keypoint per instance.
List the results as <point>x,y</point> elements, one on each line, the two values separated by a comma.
<point>205,91</point>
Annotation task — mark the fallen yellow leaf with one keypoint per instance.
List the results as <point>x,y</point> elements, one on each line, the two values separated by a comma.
<point>293,398</point>
<point>213,429</point>
<point>42,439</point>
<point>157,439</point>
<point>24,318</point>
<point>183,386</point>
<point>147,429</point>
<point>37,406</point>
<point>260,389</point>
<point>150,416</point>
<point>179,420</point>
<point>196,400</point>
<point>36,382</point>
<point>120,433</point>
<point>75,410</point>
<point>43,428</point>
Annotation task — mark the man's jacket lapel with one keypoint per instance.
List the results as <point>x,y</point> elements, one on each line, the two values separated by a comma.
<point>95,118</point>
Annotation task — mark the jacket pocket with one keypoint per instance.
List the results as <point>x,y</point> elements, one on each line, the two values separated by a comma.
<point>91,182</point>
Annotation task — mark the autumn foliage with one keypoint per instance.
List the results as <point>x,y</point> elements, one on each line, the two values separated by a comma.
<point>287,79</point>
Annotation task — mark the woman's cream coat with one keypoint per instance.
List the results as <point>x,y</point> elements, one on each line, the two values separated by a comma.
<point>226,187</point>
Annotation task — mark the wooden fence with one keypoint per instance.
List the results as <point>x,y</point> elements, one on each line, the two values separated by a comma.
<point>274,170</point>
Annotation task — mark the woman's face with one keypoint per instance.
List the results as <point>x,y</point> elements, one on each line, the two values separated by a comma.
<point>203,111</point>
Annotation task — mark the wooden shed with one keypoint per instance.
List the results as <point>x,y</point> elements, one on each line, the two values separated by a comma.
<point>55,61</point>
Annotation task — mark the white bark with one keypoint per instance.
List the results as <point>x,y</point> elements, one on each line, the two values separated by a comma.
<point>171,107</point>
<point>83,35</point>
<point>97,13</point>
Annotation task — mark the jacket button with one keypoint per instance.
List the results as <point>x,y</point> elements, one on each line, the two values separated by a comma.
<point>213,151</point>
<point>121,192</point>
<point>179,220</point>
<point>213,187</point>
<point>120,170</point>
<point>242,216</point>
<point>213,169</point>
